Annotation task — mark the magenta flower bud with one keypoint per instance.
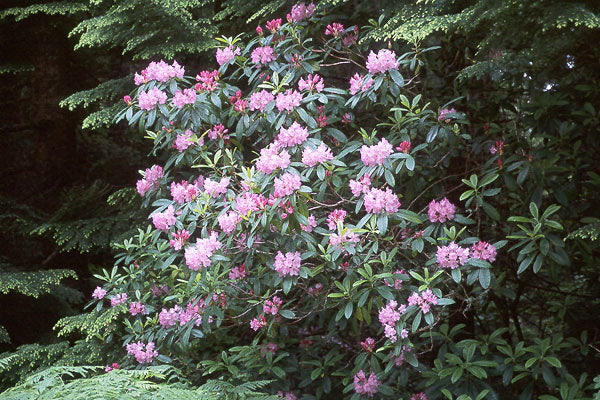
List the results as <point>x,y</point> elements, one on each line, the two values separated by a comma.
<point>259,31</point>
<point>127,99</point>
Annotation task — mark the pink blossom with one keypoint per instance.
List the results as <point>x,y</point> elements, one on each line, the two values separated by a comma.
<point>383,61</point>
<point>229,221</point>
<point>423,300</point>
<point>404,147</point>
<point>397,282</point>
<point>227,54</point>
<point>198,256</point>
<point>287,264</point>
<point>357,83</point>
<point>111,367</point>
<point>368,344</point>
<point>311,83</point>
<point>184,192</point>
<point>288,100</point>
<point>444,113</point>
<point>441,211</point>
<point>208,81</point>
<point>312,223</point>
<point>168,318</point>
<point>301,11</point>
<point>181,99</point>
<point>120,298</point>
<point>483,251</point>
<point>272,306</point>
<point>312,157</point>
<point>451,256</point>
<point>362,385</point>
<point>376,201</point>
<point>127,100</point>
<point>346,238</point>
<point>292,136</point>
<point>136,308</point>
<point>419,396</point>
<point>273,25</point>
<point>216,131</point>
<point>286,184</point>
<point>268,348</point>
<point>497,148</point>
<point>271,158</point>
<point>99,293</point>
<point>259,30</point>
<point>215,188</point>
<point>360,186</point>
<point>263,55</point>
<point>179,239</point>
<point>158,291</point>
<point>388,316</point>
<point>159,71</point>
<point>334,217</point>
<point>287,395</point>
<point>164,220</point>
<point>237,272</point>
<point>259,100</point>
<point>143,353</point>
<point>258,323</point>
<point>240,105</point>
<point>184,140</point>
<point>147,101</point>
<point>151,179</point>
<point>335,29</point>
<point>376,154</point>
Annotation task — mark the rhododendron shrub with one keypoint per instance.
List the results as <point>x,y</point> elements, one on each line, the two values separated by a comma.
<point>296,233</point>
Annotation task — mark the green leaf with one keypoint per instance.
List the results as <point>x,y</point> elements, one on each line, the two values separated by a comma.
<point>555,362</point>
<point>456,275</point>
<point>289,314</point>
<point>409,216</point>
<point>348,310</point>
<point>410,163</point>
<point>491,211</point>
<point>484,278</point>
<point>525,263</point>
<point>382,223</point>
<point>396,77</point>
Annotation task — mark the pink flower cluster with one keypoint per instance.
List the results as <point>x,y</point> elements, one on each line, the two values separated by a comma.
<point>312,157</point>
<point>218,130</point>
<point>424,300</point>
<point>404,147</point>
<point>259,100</point>
<point>360,186</point>
<point>335,29</point>
<point>120,298</point>
<point>143,353</point>
<point>258,323</point>
<point>180,99</point>
<point>179,239</point>
<point>268,348</point>
<point>227,54</point>
<point>136,308</point>
<point>376,201</point>
<point>397,282</point>
<point>215,188</point>
<point>184,141</point>
<point>159,71</point>
<point>111,367</point>
<point>357,83</point>
<point>184,192</point>
<point>451,256</point>
<point>483,251</point>
<point>312,223</point>
<point>286,184</point>
<point>292,136</point>
<point>271,158</point>
<point>441,211</point>
<point>311,83</point>
<point>300,12</point>
<point>347,237</point>
<point>229,221</point>
<point>288,100</point>
<point>388,316</point>
<point>207,81</point>
<point>272,306</point>
<point>287,264</point>
<point>444,113</point>
<point>362,385</point>
<point>174,315</point>
<point>376,154</point>
<point>419,396</point>
<point>263,55</point>
<point>238,272</point>
<point>249,202</point>
<point>334,217</point>
<point>273,25</point>
<point>368,344</point>
<point>383,61</point>
<point>147,101</point>
<point>151,178</point>
<point>198,255</point>
<point>497,148</point>
<point>164,220</point>
<point>99,293</point>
